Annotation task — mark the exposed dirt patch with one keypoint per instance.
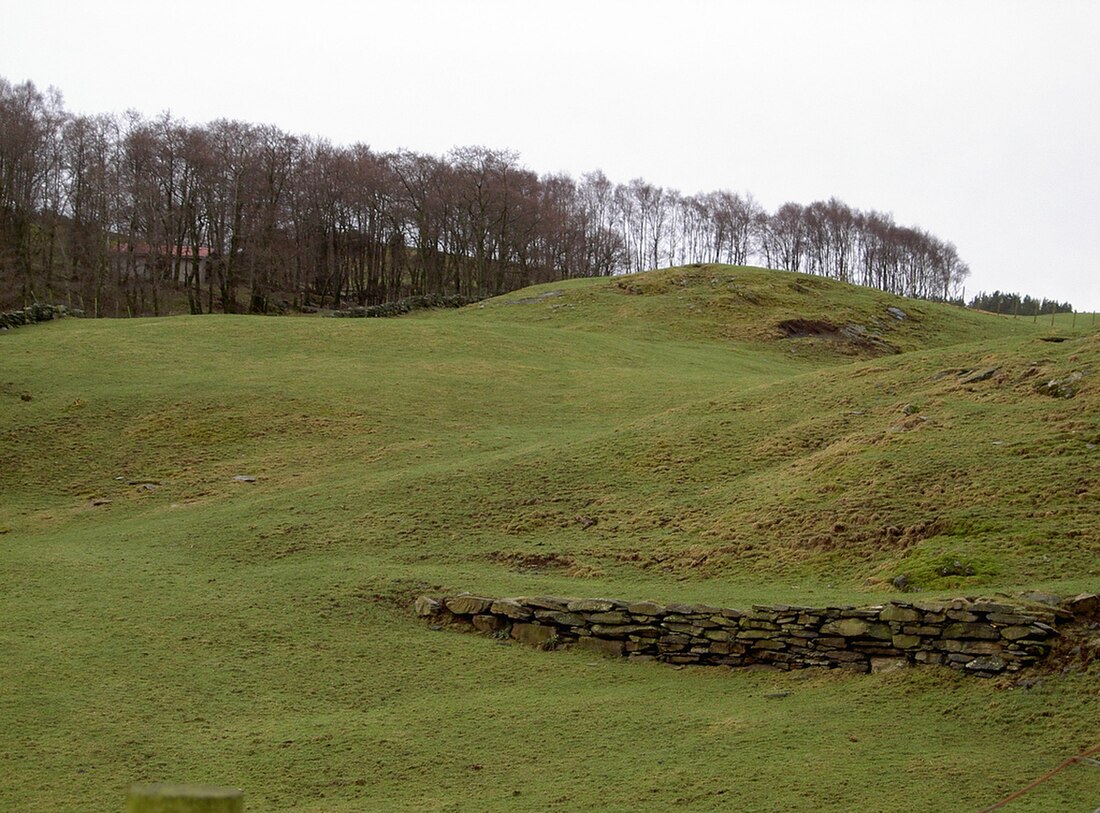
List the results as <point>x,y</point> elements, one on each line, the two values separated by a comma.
<point>542,562</point>
<point>809,329</point>
<point>857,337</point>
<point>532,561</point>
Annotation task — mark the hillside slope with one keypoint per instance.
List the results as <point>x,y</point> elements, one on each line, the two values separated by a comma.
<point>752,306</point>
<point>659,436</point>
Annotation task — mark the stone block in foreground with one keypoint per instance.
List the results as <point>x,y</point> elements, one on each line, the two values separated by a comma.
<point>184,799</point>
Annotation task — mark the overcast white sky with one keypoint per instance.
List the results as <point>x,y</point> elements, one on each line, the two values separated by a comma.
<point>979,121</point>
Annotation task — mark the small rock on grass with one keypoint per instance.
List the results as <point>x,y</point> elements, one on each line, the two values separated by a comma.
<point>244,478</point>
<point>981,375</point>
<point>1060,387</point>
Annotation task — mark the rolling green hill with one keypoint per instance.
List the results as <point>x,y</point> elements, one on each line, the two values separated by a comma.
<point>711,433</point>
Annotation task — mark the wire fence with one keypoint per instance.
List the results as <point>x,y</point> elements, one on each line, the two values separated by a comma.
<point>1084,758</point>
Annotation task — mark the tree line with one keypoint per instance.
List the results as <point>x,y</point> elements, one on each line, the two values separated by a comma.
<point>998,302</point>
<point>130,215</point>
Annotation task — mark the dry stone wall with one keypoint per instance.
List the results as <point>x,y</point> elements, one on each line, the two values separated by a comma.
<point>34,313</point>
<point>978,636</point>
<point>413,303</point>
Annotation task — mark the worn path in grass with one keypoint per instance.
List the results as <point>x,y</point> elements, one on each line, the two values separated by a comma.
<point>651,437</point>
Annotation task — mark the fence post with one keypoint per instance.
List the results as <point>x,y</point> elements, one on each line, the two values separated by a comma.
<point>184,799</point>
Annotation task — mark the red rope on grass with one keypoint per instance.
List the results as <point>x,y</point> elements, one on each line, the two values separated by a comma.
<point>1041,779</point>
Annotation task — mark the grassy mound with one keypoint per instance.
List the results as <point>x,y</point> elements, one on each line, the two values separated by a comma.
<point>712,434</point>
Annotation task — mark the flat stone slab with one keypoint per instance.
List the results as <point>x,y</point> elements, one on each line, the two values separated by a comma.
<point>533,634</point>
<point>468,605</point>
<point>601,646</point>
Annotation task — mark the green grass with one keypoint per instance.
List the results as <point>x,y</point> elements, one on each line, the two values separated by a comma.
<point>259,634</point>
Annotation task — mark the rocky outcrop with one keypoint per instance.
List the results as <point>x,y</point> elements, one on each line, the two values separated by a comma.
<point>1061,387</point>
<point>978,636</point>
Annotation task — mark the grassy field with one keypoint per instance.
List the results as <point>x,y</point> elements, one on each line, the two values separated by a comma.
<point>656,437</point>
